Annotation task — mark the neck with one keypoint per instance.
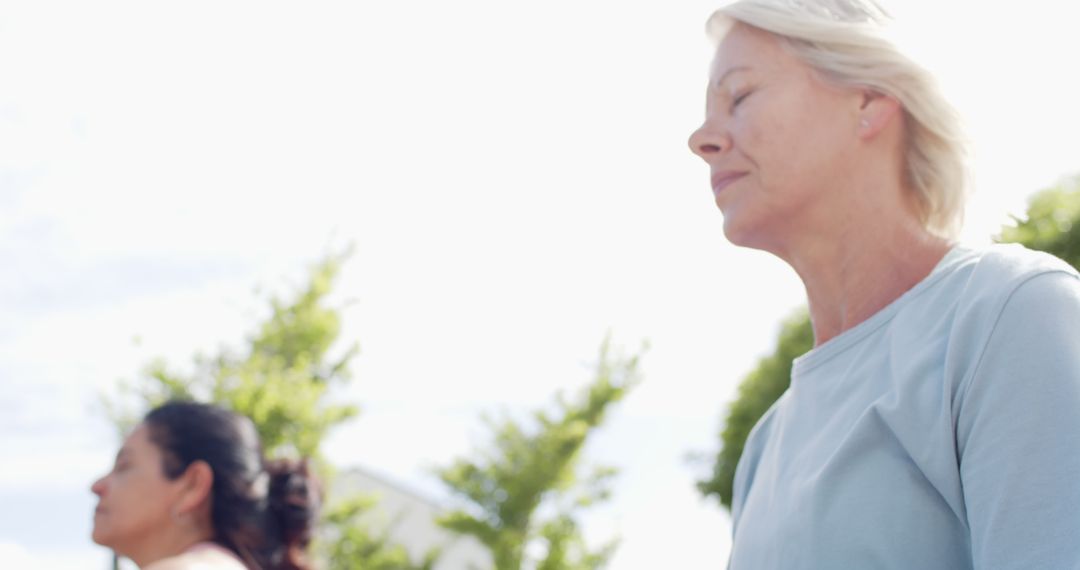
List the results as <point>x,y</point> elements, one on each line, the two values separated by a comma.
<point>854,275</point>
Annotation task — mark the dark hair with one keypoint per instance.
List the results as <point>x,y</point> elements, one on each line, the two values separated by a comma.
<point>262,510</point>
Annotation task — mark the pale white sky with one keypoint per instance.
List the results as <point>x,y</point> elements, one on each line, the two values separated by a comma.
<point>516,181</point>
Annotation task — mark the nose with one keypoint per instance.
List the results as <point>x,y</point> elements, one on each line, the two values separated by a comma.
<point>98,487</point>
<point>708,141</point>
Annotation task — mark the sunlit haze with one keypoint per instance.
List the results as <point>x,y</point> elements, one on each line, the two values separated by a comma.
<point>517,185</point>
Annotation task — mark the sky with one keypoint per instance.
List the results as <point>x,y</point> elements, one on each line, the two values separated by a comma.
<point>517,186</point>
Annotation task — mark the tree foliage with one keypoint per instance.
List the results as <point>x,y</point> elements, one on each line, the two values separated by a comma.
<point>1052,224</point>
<point>352,545</point>
<point>281,380</point>
<point>525,491</point>
<point>757,392</point>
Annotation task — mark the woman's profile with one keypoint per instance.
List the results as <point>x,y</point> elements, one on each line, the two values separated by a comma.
<point>190,489</point>
<point>936,421</point>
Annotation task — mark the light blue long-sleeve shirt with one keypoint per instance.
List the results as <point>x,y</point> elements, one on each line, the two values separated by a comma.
<point>941,433</point>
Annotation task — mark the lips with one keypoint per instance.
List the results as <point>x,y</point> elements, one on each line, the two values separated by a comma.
<point>724,178</point>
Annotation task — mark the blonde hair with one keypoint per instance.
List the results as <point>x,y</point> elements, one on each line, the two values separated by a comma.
<point>847,42</point>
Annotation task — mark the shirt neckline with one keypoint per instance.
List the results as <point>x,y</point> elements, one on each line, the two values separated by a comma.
<point>845,340</point>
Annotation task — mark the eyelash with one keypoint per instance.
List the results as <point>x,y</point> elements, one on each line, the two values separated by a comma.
<point>740,98</point>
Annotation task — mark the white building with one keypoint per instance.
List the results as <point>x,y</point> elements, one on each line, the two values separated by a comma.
<point>410,521</point>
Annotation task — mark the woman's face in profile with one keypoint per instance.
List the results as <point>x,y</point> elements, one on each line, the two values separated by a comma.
<point>776,138</point>
<point>134,498</point>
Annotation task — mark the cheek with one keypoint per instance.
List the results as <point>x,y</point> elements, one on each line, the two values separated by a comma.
<point>132,505</point>
<point>789,147</point>
<point>765,139</point>
<point>126,527</point>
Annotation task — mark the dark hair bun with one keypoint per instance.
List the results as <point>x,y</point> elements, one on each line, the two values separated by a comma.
<point>294,498</point>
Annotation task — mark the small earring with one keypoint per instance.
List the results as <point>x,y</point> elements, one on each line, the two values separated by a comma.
<point>864,124</point>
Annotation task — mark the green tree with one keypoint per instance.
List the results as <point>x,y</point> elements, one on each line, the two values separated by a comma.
<point>355,546</point>
<point>526,492</point>
<point>281,380</point>
<point>1052,224</point>
<point>757,393</point>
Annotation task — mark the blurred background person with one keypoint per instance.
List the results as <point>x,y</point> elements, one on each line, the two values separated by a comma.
<point>191,489</point>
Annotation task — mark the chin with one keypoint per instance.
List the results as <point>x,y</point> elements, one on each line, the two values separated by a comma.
<point>738,234</point>
<point>752,233</point>
<point>100,536</point>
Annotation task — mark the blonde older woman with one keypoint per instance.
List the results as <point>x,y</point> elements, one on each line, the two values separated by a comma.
<point>936,422</point>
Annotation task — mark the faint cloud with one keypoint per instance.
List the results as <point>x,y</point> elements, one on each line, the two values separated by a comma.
<point>47,282</point>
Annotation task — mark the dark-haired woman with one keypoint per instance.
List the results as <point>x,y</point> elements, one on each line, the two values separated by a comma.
<point>190,489</point>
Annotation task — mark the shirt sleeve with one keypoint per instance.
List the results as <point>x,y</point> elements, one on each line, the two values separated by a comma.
<point>1018,431</point>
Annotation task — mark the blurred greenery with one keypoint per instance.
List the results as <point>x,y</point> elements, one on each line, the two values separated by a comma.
<point>757,393</point>
<point>281,379</point>
<point>1052,224</point>
<point>524,493</point>
<point>354,545</point>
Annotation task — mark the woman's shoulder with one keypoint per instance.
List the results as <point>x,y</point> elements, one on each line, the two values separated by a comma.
<point>1014,294</point>
<point>1006,264</point>
<point>203,556</point>
<point>981,280</point>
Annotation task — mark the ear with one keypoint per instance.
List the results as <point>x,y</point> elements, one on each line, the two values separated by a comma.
<point>876,112</point>
<point>196,485</point>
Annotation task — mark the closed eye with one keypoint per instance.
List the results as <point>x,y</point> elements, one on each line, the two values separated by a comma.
<point>740,98</point>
